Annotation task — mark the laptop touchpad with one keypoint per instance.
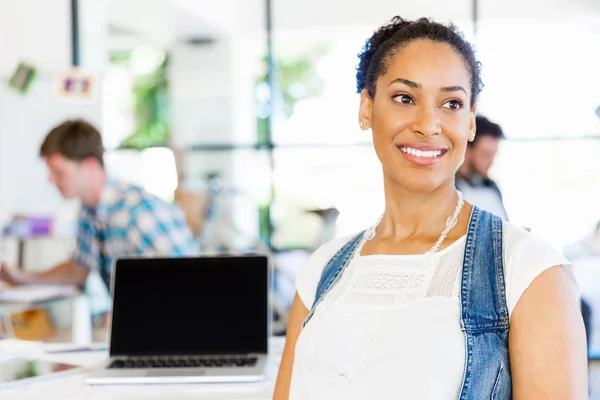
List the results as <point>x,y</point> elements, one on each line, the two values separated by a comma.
<point>169,373</point>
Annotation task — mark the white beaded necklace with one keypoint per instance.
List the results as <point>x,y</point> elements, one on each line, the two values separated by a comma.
<point>450,223</point>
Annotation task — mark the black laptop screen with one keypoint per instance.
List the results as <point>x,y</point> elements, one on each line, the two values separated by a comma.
<point>189,306</point>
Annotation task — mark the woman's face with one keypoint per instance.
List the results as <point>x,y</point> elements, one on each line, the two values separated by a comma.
<point>421,116</point>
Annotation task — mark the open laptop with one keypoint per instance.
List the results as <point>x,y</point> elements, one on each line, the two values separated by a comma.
<point>183,320</point>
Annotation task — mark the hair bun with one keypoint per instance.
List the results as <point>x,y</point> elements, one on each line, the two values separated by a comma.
<point>380,36</point>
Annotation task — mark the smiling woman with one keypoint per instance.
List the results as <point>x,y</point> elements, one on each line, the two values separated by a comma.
<point>422,96</point>
<point>437,299</point>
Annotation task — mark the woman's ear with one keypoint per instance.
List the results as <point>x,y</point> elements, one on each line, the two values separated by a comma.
<point>365,110</point>
<point>472,123</point>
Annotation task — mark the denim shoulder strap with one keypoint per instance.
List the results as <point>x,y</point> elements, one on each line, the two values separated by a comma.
<point>333,270</point>
<point>484,312</point>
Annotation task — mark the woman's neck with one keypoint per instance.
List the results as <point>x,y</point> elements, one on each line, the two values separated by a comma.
<point>411,214</point>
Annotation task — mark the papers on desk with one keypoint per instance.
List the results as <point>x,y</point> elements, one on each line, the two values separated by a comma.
<point>25,370</point>
<point>35,293</point>
<point>10,348</point>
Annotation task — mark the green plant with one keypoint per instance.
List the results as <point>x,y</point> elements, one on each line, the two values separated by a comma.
<point>151,107</point>
<point>296,79</point>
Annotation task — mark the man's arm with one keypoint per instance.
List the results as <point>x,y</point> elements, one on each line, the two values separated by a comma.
<point>72,272</point>
<point>66,273</point>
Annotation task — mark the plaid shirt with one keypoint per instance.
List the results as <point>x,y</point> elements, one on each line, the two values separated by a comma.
<point>129,221</point>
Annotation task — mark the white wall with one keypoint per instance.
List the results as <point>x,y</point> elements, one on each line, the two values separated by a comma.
<point>38,32</point>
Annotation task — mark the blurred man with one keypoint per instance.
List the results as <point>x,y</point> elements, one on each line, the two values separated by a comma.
<point>472,177</point>
<point>116,219</point>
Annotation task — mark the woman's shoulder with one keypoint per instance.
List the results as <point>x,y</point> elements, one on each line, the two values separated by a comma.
<point>517,240</point>
<point>333,246</point>
<point>526,256</point>
<point>310,274</point>
<point>320,257</point>
<point>513,234</point>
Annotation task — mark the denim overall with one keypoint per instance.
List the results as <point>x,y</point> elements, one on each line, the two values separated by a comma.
<point>484,313</point>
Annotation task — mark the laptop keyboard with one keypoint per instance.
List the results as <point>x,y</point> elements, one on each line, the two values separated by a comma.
<point>183,362</point>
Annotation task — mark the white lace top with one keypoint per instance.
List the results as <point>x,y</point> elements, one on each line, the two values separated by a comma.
<point>390,327</point>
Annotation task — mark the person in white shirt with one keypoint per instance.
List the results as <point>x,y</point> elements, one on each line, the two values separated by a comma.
<point>472,178</point>
<point>437,299</point>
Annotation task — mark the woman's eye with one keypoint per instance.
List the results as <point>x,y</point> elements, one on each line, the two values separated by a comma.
<point>403,98</point>
<point>453,104</point>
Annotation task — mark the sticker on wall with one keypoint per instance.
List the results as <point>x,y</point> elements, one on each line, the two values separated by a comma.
<point>75,85</point>
<point>22,77</point>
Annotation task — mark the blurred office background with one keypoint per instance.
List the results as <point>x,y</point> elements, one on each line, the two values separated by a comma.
<point>246,112</point>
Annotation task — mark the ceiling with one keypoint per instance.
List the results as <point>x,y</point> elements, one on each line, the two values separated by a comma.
<point>164,22</point>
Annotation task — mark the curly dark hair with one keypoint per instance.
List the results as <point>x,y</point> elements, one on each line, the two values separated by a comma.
<point>387,40</point>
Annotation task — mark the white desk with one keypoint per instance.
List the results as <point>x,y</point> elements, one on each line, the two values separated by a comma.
<point>72,385</point>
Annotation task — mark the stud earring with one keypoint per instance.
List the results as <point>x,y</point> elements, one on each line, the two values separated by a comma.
<point>362,124</point>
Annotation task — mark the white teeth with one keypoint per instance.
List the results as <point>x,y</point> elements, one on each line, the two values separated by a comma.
<point>420,153</point>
